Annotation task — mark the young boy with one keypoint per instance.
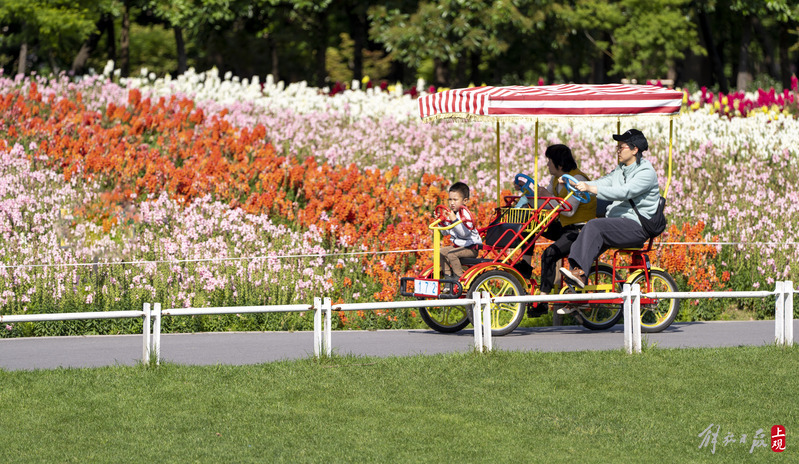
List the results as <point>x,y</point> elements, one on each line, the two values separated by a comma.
<point>466,242</point>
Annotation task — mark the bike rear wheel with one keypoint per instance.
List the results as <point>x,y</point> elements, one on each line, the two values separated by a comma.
<point>658,315</point>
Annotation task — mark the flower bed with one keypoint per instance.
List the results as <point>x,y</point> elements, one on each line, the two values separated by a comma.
<point>216,169</point>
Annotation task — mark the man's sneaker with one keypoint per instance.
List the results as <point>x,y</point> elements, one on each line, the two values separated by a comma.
<point>576,276</point>
<point>566,309</point>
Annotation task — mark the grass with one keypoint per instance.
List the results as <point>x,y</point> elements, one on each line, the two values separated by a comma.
<point>498,407</point>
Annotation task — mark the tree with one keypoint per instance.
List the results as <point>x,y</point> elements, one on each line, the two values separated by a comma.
<point>188,19</point>
<point>45,33</point>
<point>759,15</point>
<point>643,38</point>
<point>447,32</point>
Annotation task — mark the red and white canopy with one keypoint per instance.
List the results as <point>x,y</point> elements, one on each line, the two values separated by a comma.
<point>550,101</point>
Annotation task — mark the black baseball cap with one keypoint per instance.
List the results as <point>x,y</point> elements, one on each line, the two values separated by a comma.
<point>633,137</point>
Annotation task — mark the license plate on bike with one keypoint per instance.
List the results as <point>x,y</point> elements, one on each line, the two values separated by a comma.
<point>424,287</point>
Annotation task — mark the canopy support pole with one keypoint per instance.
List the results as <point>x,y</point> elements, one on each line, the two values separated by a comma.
<point>535,190</point>
<point>499,189</point>
<point>671,133</point>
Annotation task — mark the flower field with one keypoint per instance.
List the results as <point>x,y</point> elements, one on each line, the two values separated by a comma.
<point>213,191</point>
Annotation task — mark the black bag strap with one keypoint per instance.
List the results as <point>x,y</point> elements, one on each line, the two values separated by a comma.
<point>636,210</point>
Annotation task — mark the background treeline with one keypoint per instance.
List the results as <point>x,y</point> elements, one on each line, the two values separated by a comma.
<point>723,44</point>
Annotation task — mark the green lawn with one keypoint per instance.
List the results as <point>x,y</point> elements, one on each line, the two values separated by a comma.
<point>499,407</point>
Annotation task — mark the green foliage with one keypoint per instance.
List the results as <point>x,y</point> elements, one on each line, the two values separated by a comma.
<point>451,42</point>
<point>447,30</point>
<point>643,38</point>
<point>153,48</point>
<point>376,64</point>
<point>56,27</point>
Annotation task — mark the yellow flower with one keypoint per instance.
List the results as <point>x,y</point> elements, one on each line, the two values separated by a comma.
<point>725,101</point>
<point>365,80</point>
<point>695,105</point>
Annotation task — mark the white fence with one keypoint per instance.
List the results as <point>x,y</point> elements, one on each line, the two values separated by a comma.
<point>479,305</point>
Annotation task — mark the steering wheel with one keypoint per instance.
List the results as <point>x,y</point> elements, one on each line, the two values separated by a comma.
<point>466,218</point>
<point>523,183</point>
<point>570,183</point>
<point>441,212</point>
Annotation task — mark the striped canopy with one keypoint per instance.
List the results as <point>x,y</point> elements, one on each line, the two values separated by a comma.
<point>521,102</point>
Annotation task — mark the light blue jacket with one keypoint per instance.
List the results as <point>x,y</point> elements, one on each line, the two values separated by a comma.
<point>636,181</point>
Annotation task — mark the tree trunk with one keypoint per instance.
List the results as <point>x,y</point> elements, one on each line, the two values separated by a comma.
<point>79,62</point>
<point>768,46</point>
<point>460,72</point>
<point>321,49</point>
<point>474,69</point>
<point>441,72</point>
<point>358,32</point>
<point>181,49</point>
<point>86,49</point>
<point>274,58</point>
<point>55,69</point>
<point>551,64</point>
<point>124,41</point>
<point>744,75</point>
<point>715,58</point>
<point>111,37</point>
<point>23,58</point>
<point>785,62</point>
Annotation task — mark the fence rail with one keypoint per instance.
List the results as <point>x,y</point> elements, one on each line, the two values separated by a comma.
<point>479,305</point>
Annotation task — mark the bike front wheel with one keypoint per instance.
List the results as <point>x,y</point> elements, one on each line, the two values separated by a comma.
<point>603,315</point>
<point>505,317</point>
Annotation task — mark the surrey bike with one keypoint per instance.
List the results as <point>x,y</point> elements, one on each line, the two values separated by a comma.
<point>519,220</point>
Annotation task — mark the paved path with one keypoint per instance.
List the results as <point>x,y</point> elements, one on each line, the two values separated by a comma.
<point>259,347</point>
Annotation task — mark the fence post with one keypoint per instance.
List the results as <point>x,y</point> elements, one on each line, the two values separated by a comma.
<point>317,326</point>
<point>636,317</point>
<point>788,287</point>
<point>779,314</point>
<point>328,345</point>
<point>488,342</point>
<point>628,327</point>
<point>477,320</point>
<point>157,334</point>
<point>145,351</point>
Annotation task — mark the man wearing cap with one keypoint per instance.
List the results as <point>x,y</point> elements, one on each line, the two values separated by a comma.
<point>634,178</point>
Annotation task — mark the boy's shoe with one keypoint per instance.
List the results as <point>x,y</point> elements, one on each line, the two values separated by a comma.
<point>576,276</point>
<point>536,311</point>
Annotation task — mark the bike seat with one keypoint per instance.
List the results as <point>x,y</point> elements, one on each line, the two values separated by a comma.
<point>473,261</point>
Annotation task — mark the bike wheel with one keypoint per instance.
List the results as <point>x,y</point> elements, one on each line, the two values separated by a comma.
<point>600,316</point>
<point>445,319</point>
<point>659,314</point>
<point>505,317</point>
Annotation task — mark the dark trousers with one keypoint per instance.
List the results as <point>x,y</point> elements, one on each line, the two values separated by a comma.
<point>563,236</point>
<point>602,233</point>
